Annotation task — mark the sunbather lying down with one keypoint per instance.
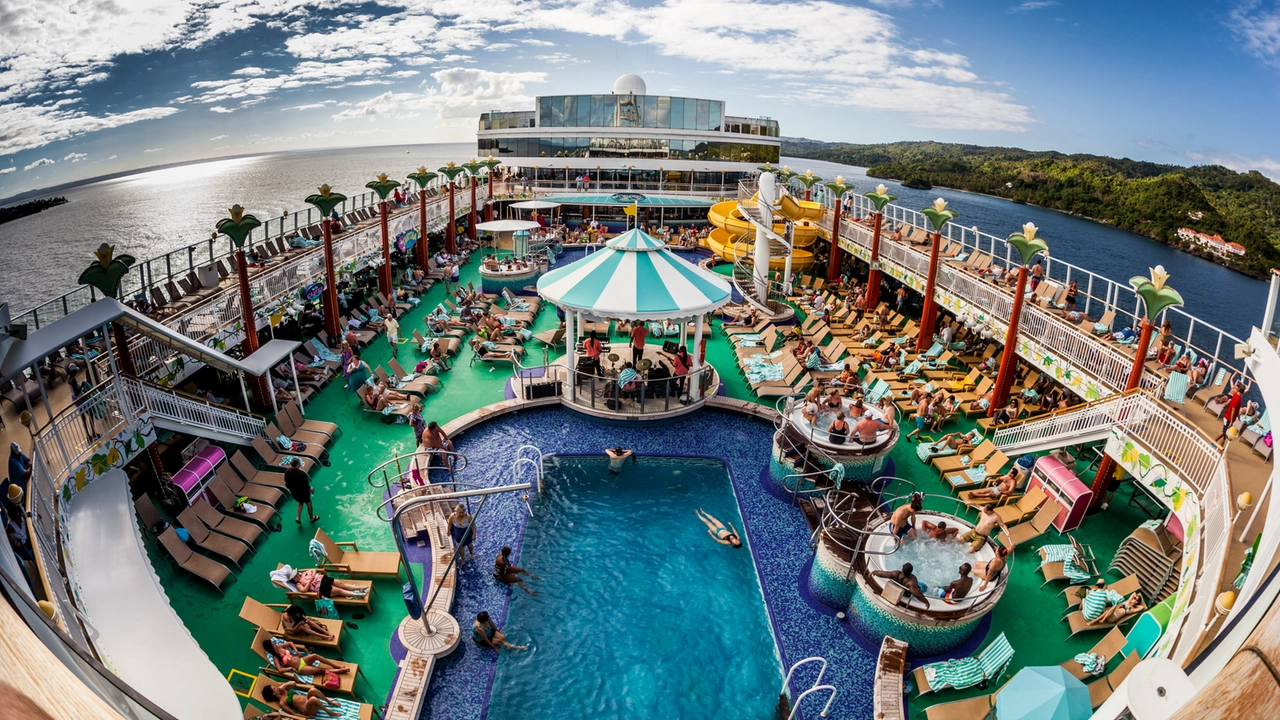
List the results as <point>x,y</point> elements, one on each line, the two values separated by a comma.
<point>292,698</point>
<point>286,656</point>
<point>315,581</point>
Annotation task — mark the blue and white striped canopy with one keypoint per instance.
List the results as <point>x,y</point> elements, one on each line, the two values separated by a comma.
<point>653,285</point>
<point>636,240</point>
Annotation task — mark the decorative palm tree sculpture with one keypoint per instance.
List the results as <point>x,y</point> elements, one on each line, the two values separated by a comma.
<point>473,176</point>
<point>808,180</point>
<point>451,172</point>
<point>423,178</point>
<point>384,187</point>
<point>839,188</point>
<point>879,198</point>
<point>1156,298</point>
<point>325,201</point>
<point>1028,247</point>
<point>491,163</point>
<point>237,229</point>
<point>939,216</point>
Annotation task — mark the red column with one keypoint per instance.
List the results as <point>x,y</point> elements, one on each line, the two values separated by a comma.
<point>330,297</point>
<point>450,242</point>
<point>1107,467</point>
<point>422,229</point>
<point>471,216</point>
<point>1009,358</point>
<point>929,317</point>
<point>833,263</point>
<point>488,208</point>
<point>807,193</point>
<point>261,392</point>
<point>384,271</point>
<point>873,277</point>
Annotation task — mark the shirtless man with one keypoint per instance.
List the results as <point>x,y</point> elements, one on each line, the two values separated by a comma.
<point>958,588</point>
<point>617,455</point>
<point>866,429</point>
<point>903,520</point>
<point>989,570</point>
<point>939,531</point>
<point>988,519</point>
<point>906,579</point>
<point>1003,485</point>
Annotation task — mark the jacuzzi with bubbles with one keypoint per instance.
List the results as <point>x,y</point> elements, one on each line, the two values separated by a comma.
<point>943,624</point>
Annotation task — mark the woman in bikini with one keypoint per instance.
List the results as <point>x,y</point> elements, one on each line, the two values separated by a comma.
<point>718,531</point>
<point>285,656</point>
<point>297,623</point>
<point>307,704</point>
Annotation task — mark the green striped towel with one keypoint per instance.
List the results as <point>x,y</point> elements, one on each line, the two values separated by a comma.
<point>1065,554</point>
<point>962,673</point>
<point>973,476</point>
<point>1175,390</point>
<point>934,351</point>
<point>996,657</point>
<point>925,451</point>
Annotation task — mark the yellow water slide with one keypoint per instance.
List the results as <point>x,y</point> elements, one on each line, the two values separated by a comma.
<point>730,229</point>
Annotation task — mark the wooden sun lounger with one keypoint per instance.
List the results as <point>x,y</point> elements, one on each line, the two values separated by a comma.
<point>1103,688</point>
<point>1125,586</point>
<point>1107,647</point>
<point>202,567</point>
<point>267,617</point>
<point>227,499</point>
<point>347,557</point>
<point>245,532</point>
<point>365,712</point>
<point>364,601</point>
<point>1038,525</point>
<point>210,541</point>
<point>347,680</point>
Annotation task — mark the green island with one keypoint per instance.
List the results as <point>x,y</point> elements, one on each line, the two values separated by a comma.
<point>13,212</point>
<point>1146,198</point>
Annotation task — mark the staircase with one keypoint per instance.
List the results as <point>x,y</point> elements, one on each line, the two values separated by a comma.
<point>1087,423</point>
<point>746,276</point>
<point>188,414</point>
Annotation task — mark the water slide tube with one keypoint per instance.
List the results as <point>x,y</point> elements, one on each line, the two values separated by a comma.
<point>730,229</point>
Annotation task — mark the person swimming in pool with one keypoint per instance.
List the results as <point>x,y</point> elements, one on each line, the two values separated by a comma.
<point>718,531</point>
<point>903,520</point>
<point>617,456</point>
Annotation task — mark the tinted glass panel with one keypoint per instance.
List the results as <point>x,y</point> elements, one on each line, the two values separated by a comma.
<point>715,115</point>
<point>584,110</point>
<point>704,114</point>
<point>570,112</point>
<point>690,114</point>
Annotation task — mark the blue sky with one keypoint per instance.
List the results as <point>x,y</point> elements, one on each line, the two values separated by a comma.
<point>89,87</point>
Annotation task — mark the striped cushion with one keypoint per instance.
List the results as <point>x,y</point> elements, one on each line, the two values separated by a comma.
<point>1097,601</point>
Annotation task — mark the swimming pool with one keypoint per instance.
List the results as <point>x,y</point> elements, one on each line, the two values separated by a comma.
<point>641,613</point>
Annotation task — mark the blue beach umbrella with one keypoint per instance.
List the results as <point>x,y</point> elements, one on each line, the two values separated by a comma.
<point>1043,693</point>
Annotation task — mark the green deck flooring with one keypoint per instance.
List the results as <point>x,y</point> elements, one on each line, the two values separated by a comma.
<point>346,503</point>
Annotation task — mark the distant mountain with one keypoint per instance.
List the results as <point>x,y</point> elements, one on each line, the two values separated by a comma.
<point>1147,198</point>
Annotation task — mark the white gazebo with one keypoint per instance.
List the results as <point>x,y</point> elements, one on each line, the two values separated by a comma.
<point>634,277</point>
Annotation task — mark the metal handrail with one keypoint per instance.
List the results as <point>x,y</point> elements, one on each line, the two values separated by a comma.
<point>458,462</point>
<point>783,420</point>
<point>795,707</point>
<point>536,461</point>
<point>816,685</point>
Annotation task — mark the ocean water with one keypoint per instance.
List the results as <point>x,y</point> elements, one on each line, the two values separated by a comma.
<point>641,614</point>
<point>148,214</point>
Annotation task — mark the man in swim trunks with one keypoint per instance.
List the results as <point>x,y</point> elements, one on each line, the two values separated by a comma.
<point>902,522</point>
<point>1003,485</point>
<point>866,429</point>
<point>988,519</point>
<point>616,457</point>
<point>906,579</point>
<point>939,531</point>
<point>960,587</point>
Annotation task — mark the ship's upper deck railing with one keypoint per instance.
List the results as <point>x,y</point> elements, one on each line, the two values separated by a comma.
<point>1097,293</point>
<point>571,186</point>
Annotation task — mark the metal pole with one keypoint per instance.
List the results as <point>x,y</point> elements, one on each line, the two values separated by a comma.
<point>245,391</point>
<point>275,410</point>
<point>571,339</point>
<point>694,394</point>
<point>297,390</point>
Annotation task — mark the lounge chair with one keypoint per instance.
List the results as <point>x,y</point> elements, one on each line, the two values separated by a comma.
<point>313,450</point>
<point>963,673</point>
<point>1027,531</point>
<point>1025,507</point>
<point>361,602</point>
<point>257,494</point>
<point>275,460</point>
<point>1107,647</point>
<point>347,680</point>
<point>227,498</point>
<point>147,511</point>
<point>1103,688</point>
<point>1081,561</point>
<point>347,557</point>
<point>210,541</point>
<point>319,426</point>
<point>977,476</point>
<point>553,339</point>
<point>269,618</point>
<point>350,709</point>
<point>1125,586</point>
<point>957,463</point>
<point>420,385</point>
<point>202,567</point>
<point>307,436</point>
<point>246,470</point>
<point>245,532</point>
<point>974,708</point>
<point>1078,624</point>
<point>402,410</point>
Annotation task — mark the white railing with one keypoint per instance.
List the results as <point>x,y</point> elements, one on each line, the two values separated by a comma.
<point>192,412</point>
<point>1071,426</point>
<point>1097,293</point>
<point>1215,537</point>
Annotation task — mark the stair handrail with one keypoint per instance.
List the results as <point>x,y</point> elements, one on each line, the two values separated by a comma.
<point>786,682</point>
<point>169,403</point>
<point>455,462</point>
<point>795,707</point>
<point>535,460</point>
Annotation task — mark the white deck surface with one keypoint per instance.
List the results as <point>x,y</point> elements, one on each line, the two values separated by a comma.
<point>140,636</point>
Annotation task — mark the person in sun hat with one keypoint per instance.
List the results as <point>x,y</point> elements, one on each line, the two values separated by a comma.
<point>19,466</point>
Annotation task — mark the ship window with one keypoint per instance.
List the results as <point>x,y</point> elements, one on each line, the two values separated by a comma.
<point>651,112</point>
<point>557,111</point>
<point>663,115</point>
<point>715,115</point>
<point>690,114</point>
<point>544,110</point>
<point>584,110</point>
<point>677,113</point>
<point>570,114</point>
<point>704,115</point>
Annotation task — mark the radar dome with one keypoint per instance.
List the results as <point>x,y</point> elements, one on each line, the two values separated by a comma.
<point>629,84</point>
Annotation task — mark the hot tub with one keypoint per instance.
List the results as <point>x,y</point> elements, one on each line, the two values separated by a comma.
<point>514,279</point>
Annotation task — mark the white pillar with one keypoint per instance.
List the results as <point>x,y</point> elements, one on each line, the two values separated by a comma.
<point>1269,314</point>
<point>244,391</point>
<point>275,409</point>
<point>695,391</point>
<point>764,198</point>
<point>296,390</point>
<point>786,270</point>
<point>571,348</point>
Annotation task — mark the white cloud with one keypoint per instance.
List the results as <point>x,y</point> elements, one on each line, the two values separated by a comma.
<point>250,71</point>
<point>559,59</point>
<point>39,163</point>
<point>311,106</point>
<point>6,171</point>
<point>222,110</point>
<point>113,157</point>
<point>1258,28</point>
<point>457,93</point>
<point>494,47</point>
<point>1033,5</point>
<point>151,150</point>
<point>1264,164</point>
<point>91,78</point>
<point>216,138</point>
<point>420,60</point>
<point>75,157</point>
<point>403,74</point>
<point>308,72</point>
<point>537,42</point>
<point>31,126</point>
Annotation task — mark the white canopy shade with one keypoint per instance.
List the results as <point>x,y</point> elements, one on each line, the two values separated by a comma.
<point>534,205</point>
<point>506,225</point>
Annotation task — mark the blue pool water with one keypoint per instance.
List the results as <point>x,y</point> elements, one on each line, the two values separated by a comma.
<point>641,613</point>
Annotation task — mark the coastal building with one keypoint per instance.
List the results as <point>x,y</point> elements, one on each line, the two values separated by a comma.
<point>1214,243</point>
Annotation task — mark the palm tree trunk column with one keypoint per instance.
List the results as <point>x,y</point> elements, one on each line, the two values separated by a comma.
<point>929,316</point>
<point>330,297</point>
<point>488,207</point>
<point>384,270</point>
<point>1009,358</point>
<point>450,242</point>
<point>261,392</point>
<point>422,229</point>
<point>873,276</point>
<point>471,216</point>
<point>1107,467</point>
<point>833,262</point>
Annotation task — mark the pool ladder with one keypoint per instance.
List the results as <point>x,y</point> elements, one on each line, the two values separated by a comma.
<point>817,686</point>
